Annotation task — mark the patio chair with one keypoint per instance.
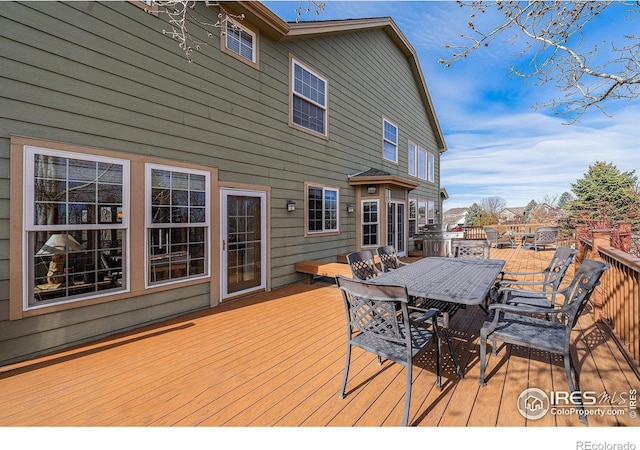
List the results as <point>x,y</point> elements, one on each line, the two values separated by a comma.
<point>518,325</point>
<point>542,237</point>
<point>478,249</point>
<point>363,266</point>
<point>389,258</point>
<point>535,293</point>
<point>380,321</point>
<point>499,240</point>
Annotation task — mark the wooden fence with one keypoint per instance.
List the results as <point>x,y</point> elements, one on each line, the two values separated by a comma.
<point>617,300</point>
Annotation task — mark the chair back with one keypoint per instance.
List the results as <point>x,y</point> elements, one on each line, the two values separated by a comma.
<point>372,310</point>
<point>582,286</point>
<point>388,258</point>
<point>557,268</point>
<point>363,266</point>
<point>492,234</point>
<point>546,235</point>
<point>471,249</point>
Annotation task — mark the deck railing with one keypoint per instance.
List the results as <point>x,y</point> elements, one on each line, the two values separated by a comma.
<point>617,300</point>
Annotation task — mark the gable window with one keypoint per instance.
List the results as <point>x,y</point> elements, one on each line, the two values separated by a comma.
<point>308,99</point>
<point>430,167</point>
<point>412,158</point>
<point>240,42</point>
<point>390,141</point>
<point>76,226</point>
<point>177,223</point>
<point>370,222</point>
<point>322,209</point>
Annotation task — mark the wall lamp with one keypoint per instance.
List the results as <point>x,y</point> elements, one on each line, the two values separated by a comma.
<point>371,190</point>
<point>291,205</point>
<point>351,208</point>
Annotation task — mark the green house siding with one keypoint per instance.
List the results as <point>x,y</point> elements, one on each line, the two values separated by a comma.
<point>102,75</point>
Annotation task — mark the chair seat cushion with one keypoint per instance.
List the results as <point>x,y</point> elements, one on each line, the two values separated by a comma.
<point>530,332</point>
<point>393,351</point>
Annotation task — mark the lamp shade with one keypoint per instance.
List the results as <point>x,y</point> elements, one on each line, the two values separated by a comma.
<point>59,243</point>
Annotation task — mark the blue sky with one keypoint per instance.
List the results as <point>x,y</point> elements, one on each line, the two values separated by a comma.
<point>498,145</point>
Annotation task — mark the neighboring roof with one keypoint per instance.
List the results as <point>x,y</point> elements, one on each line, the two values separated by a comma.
<point>278,29</point>
<point>516,211</point>
<point>377,176</point>
<point>454,216</point>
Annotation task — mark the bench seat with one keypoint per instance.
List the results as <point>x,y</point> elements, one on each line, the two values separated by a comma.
<point>322,269</point>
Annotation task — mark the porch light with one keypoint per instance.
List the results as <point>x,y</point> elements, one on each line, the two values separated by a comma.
<point>291,205</point>
<point>351,208</point>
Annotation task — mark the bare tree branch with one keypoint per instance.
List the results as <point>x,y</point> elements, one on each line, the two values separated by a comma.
<point>554,36</point>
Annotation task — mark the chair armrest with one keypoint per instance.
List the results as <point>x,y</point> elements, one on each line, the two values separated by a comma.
<point>505,283</point>
<point>539,272</point>
<point>427,314</point>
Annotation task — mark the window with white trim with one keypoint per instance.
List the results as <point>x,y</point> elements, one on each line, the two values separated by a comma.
<point>76,227</point>
<point>308,99</point>
<point>431,208</point>
<point>430,167</point>
<point>422,163</point>
<point>322,209</point>
<point>412,159</point>
<point>422,213</point>
<point>177,222</point>
<point>389,141</point>
<point>370,222</point>
<point>240,41</point>
<point>413,217</point>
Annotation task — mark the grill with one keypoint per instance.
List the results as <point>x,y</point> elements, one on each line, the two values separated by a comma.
<point>436,240</point>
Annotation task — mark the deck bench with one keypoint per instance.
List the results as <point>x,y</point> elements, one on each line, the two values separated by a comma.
<point>322,269</point>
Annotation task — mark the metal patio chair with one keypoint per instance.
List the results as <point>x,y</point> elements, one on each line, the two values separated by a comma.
<point>521,324</point>
<point>478,249</point>
<point>363,265</point>
<point>389,258</point>
<point>542,237</point>
<point>534,293</point>
<point>499,240</point>
<point>380,321</point>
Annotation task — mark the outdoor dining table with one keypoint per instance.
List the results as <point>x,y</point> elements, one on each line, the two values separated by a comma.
<point>458,280</point>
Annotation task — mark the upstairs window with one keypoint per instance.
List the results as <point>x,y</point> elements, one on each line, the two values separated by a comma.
<point>308,99</point>
<point>389,141</point>
<point>430,167</point>
<point>412,159</point>
<point>241,43</point>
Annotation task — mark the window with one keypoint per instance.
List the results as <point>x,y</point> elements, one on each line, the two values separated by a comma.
<point>413,217</point>
<point>308,99</point>
<point>422,213</point>
<point>370,222</point>
<point>430,167</point>
<point>390,141</point>
<point>77,219</point>
<point>177,223</point>
<point>431,208</point>
<point>412,159</point>
<point>240,42</point>
<point>422,164</point>
<point>322,209</point>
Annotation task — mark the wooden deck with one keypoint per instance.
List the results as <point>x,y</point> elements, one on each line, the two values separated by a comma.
<point>277,360</point>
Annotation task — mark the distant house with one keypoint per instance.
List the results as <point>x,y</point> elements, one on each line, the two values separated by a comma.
<point>455,217</point>
<point>512,215</point>
<point>138,186</point>
<point>544,213</point>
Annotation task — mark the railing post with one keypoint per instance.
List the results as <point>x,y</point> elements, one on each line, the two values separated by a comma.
<point>601,238</point>
<point>581,231</point>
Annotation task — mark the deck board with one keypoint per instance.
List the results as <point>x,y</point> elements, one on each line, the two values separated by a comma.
<point>277,359</point>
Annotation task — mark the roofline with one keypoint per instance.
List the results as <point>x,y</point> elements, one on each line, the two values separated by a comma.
<point>281,30</point>
<point>383,179</point>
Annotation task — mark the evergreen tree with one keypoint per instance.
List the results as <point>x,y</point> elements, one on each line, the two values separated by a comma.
<point>607,195</point>
<point>472,213</point>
